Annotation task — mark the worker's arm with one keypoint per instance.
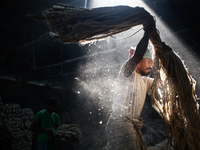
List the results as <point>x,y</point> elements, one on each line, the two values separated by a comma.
<point>140,51</point>
<point>35,127</point>
<point>57,122</point>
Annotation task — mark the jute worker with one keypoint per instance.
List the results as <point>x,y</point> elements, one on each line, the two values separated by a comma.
<point>123,127</point>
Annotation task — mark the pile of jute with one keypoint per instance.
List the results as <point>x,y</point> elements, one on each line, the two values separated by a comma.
<point>14,127</point>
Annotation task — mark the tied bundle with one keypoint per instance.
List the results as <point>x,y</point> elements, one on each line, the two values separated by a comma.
<point>67,133</point>
<point>173,89</point>
<point>14,126</point>
<point>72,24</point>
<point>174,98</point>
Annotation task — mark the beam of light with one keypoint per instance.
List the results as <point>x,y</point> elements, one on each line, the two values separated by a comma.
<point>98,81</point>
<point>167,35</point>
<point>103,3</point>
<point>85,3</point>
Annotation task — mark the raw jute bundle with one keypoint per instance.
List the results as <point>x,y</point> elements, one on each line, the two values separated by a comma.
<point>67,133</point>
<point>174,98</point>
<point>14,126</point>
<point>173,95</point>
<point>76,25</point>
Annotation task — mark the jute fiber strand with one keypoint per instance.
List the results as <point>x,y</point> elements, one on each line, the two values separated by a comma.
<point>174,98</point>
<point>173,88</point>
<point>74,24</point>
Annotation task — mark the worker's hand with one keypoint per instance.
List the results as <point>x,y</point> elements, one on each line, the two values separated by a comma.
<point>49,130</point>
<point>149,28</point>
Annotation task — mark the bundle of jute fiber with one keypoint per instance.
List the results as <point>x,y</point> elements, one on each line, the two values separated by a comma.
<point>173,95</point>
<point>15,122</point>
<point>174,98</point>
<point>67,133</point>
<point>75,24</point>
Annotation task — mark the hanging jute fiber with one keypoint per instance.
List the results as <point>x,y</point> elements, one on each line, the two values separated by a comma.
<point>75,24</point>
<point>174,91</point>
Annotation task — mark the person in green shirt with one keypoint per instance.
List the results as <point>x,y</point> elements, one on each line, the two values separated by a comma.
<point>45,122</point>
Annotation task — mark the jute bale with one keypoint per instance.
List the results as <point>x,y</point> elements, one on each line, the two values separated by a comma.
<point>16,122</point>
<point>2,108</point>
<point>69,133</point>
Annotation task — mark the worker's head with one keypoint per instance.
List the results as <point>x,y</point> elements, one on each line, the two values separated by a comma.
<point>144,66</point>
<point>52,104</point>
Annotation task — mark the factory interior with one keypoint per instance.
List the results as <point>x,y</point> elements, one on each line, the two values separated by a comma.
<point>35,66</point>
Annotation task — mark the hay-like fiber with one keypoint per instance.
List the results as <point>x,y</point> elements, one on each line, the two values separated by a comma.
<point>176,100</point>
<point>74,24</point>
<point>173,95</point>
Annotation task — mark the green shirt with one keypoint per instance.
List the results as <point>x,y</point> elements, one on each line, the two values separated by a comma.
<point>46,120</point>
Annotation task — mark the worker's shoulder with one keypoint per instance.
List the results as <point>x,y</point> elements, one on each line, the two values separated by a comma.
<point>39,115</point>
<point>43,111</point>
<point>55,114</point>
<point>148,80</point>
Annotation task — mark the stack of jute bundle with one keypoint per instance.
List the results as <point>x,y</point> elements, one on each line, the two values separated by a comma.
<point>174,93</point>
<point>16,122</point>
<point>67,133</point>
